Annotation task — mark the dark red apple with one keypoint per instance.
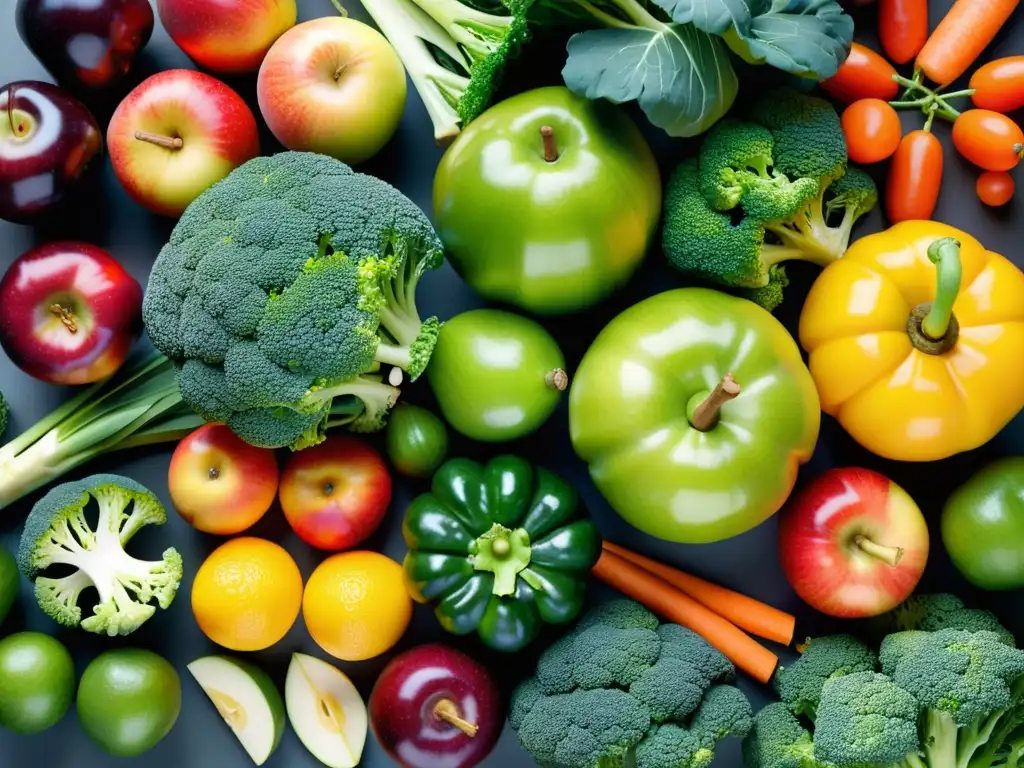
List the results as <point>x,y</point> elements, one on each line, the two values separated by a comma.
<point>91,43</point>
<point>47,140</point>
<point>69,313</point>
<point>434,707</point>
<point>853,543</point>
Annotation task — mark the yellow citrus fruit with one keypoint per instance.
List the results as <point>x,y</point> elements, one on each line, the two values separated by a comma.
<point>356,605</point>
<point>247,594</point>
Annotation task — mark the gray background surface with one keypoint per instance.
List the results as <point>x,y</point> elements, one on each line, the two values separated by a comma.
<point>747,563</point>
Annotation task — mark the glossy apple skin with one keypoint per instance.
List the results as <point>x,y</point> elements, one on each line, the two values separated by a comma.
<point>402,708</point>
<point>45,147</point>
<point>105,301</point>
<point>227,36</point>
<point>349,117</point>
<point>335,494</point>
<point>89,43</point>
<point>217,129</point>
<point>219,483</point>
<point>818,549</point>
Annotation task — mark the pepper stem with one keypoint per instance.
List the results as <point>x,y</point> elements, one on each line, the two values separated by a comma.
<point>547,133</point>
<point>557,379</point>
<point>166,142</point>
<point>888,555</point>
<point>66,316</point>
<point>503,552</point>
<point>705,415</point>
<point>448,710</point>
<point>944,253</point>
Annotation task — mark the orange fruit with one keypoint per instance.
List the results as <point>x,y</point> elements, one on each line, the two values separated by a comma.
<point>356,605</point>
<point>247,594</point>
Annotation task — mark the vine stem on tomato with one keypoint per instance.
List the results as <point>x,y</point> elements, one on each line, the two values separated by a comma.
<point>933,101</point>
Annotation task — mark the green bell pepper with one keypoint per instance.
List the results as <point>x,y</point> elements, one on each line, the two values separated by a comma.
<point>499,550</point>
<point>983,526</point>
<point>694,411</point>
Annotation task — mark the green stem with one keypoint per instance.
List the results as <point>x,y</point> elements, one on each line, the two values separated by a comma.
<point>637,14</point>
<point>931,103</point>
<point>503,552</point>
<point>944,253</point>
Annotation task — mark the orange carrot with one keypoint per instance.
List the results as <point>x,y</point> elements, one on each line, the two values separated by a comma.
<point>672,605</point>
<point>745,612</point>
<point>961,36</point>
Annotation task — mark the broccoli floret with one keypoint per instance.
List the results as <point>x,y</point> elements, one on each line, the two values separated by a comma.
<point>770,296</point>
<point>809,139</point>
<point>778,740</point>
<point>821,659</point>
<point>57,533</point>
<point>283,290</point>
<point>584,729</point>
<point>657,693</point>
<point>865,719</point>
<point>734,157</point>
<point>454,53</point>
<point>944,611</point>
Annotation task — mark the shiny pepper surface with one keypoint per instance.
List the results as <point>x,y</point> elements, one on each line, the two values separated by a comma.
<point>901,391</point>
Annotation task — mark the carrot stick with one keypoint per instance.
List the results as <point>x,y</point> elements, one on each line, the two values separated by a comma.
<point>745,612</point>
<point>672,605</point>
<point>961,36</point>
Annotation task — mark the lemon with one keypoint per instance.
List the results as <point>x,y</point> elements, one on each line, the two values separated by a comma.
<point>247,594</point>
<point>356,605</point>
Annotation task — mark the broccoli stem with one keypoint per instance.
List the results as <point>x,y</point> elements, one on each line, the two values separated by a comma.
<point>939,741</point>
<point>635,13</point>
<point>976,736</point>
<point>476,31</point>
<point>944,253</point>
<point>809,233</point>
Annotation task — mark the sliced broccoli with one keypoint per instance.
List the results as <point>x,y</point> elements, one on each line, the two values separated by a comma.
<point>454,53</point>
<point>57,533</point>
<point>284,289</point>
<point>822,659</point>
<point>778,740</point>
<point>865,719</point>
<point>944,611</point>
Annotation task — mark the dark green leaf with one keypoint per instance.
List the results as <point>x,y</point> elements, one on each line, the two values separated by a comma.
<point>681,77</point>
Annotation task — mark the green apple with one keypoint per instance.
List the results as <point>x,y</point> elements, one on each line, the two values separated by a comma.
<point>37,682</point>
<point>326,711</point>
<point>548,201</point>
<point>247,699</point>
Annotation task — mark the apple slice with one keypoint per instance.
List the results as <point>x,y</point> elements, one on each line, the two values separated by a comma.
<point>247,699</point>
<point>326,711</point>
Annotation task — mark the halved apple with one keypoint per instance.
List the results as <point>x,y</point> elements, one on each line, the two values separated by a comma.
<point>326,711</point>
<point>247,699</point>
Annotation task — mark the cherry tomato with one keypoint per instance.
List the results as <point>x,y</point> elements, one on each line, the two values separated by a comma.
<point>872,130</point>
<point>999,85</point>
<point>902,28</point>
<point>995,188</point>
<point>915,178</point>
<point>988,139</point>
<point>864,75</point>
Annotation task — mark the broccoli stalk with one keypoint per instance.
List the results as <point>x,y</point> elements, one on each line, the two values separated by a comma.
<point>57,533</point>
<point>454,53</point>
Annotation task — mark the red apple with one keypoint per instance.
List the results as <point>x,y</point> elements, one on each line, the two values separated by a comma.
<point>69,313</point>
<point>47,141</point>
<point>853,543</point>
<point>178,133</point>
<point>219,483</point>
<point>434,707</point>
<point>335,494</point>
<point>226,36</point>
<point>333,86</point>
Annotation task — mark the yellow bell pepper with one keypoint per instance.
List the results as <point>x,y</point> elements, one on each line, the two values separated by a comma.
<point>916,341</point>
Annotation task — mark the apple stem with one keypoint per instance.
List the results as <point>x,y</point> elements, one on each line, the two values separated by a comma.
<point>339,72</point>
<point>66,317</point>
<point>705,415</point>
<point>161,141</point>
<point>557,379</point>
<point>448,710</point>
<point>889,555</point>
<point>547,133</point>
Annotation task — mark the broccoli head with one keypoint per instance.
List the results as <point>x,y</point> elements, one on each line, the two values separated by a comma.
<point>58,534</point>
<point>944,611</point>
<point>770,188</point>
<point>658,694</point>
<point>778,740</point>
<point>822,659</point>
<point>284,289</point>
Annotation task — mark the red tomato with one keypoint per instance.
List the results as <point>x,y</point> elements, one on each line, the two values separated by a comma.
<point>864,75</point>
<point>988,139</point>
<point>902,28</point>
<point>872,130</point>
<point>999,85</point>
<point>915,178</point>
<point>995,188</point>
